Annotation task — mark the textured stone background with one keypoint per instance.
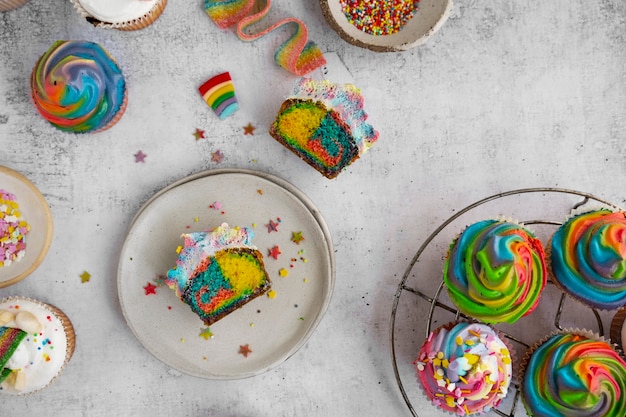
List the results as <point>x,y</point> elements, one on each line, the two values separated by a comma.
<point>506,95</point>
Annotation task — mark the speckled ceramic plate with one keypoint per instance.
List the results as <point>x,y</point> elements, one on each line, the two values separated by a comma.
<point>429,17</point>
<point>35,211</point>
<point>273,329</point>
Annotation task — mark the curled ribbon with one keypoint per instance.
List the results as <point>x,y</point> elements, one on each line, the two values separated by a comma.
<point>297,55</point>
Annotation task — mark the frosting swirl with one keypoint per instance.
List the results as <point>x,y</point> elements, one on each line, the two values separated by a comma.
<point>495,271</point>
<point>77,86</point>
<point>588,258</point>
<point>571,375</point>
<point>464,369</point>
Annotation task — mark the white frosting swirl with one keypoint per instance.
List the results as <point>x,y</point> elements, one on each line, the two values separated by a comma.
<point>117,11</point>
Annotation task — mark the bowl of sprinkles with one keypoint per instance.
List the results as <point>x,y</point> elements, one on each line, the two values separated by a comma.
<point>25,227</point>
<point>386,25</point>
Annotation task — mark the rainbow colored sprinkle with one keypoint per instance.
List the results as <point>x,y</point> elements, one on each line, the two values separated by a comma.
<point>13,229</point>
<point>379,17</point>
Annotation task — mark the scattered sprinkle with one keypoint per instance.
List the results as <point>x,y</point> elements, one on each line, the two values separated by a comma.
<point>259,191</point>
<point>206,333</point>
<point>274,252</point>
<point>85,277</point>
<point>198,134</point>
<point>140,157</point>
<point>272,226</point>
<point>249,129</point>
<point>217,156</point>
<point>271,294</point>
<point>245,350</point>
<point>150,288</point>
<point>283,272</point>
<point>296,237</point>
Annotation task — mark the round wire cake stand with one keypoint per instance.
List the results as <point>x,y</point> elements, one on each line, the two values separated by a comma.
<point>421,304</point>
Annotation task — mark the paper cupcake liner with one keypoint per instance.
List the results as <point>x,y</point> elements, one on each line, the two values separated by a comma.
<point>68,328</point>
<point>6,5</point>
<point>134,24</point>
<point>450,325</point>
<point>593,336</point>
<point>615,332</point>
<point>117,116</point>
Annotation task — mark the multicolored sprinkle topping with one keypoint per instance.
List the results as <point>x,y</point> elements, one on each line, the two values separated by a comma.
<point>13,230</point>
<point>379,17</point>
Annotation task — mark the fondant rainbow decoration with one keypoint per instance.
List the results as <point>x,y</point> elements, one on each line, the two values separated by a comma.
<point>10,339</point>
<point>219,94</point>
<point>297,55</point>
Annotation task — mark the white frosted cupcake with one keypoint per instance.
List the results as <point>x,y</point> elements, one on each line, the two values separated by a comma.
<point>120,14</point>
<point>6,5</point>
<point>36,342</point>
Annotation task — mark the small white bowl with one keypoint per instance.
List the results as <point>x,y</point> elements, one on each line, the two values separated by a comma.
<point>429,17</point>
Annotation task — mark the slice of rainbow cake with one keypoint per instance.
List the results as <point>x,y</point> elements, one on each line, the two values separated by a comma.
<point>218,272</point>
<point>324,124</point>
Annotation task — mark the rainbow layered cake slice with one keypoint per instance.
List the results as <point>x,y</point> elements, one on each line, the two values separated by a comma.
<point>218,272</point>
<point>324,124</point>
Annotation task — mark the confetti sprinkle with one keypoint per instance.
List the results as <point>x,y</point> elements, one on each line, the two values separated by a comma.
<point>206,333</point>
<point>259,191</point>
<point>245,350</point>
<point>272,226</point>
<point>274,252</point>
<point>271,294</point>
<point>296,237</point>
<point>140,157</point>
<point>283,272</point>
<point>379,17</point>
<point>150,288</point>
<point>248,129</point>
<point>13,230</point>
<point>198,134</point>
<point>217,156</point>
<point>85,277</point>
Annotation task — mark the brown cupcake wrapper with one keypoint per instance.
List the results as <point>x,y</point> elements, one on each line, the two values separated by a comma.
<point>134,24</point>
<point>68,328</point>
<point>615,331</point>
<point>6,5</point>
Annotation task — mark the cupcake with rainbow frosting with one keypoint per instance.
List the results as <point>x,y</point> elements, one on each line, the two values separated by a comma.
<point>573,373</point>
<point>587,257</point>
<point>78,87</point>
<point>495,271</point>
<point>465,368</point>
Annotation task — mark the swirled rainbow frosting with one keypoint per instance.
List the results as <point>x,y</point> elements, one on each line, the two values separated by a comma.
<point>78,87</point>
<point>573,375</point>
<point>465,368</point>
<point>324,124</point>
<point>588,258</point>
<point>495,271</point>
<point>217,272</point>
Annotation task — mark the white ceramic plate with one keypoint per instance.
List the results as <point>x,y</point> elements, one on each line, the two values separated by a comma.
<point>35,211</point>
<point>429,17</point>
<point>273,328</point>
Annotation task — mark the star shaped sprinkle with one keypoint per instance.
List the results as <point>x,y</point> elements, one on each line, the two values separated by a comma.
<point>245,350</point>
<point>296,237</point>
<point>274,252</point>
<point>140,157</point>
<point>198,134</point>
<point>272,226</point>
<point>150,288</point>
<point>249,129</point>
<point>283,272</point>
<point>217,205</point>
<point>206,333</point>
<point>217,156</point>
<point>84,277</point>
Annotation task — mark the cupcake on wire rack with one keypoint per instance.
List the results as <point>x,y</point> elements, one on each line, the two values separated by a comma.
<point>465,368</point>
<point>495,271</point>
<point>587,257</point>
<point>120,14</point>
<point>573,373</point>
<point>37,341</point>
<point>6,5</point>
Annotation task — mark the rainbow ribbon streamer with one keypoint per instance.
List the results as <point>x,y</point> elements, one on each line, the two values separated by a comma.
<point>297,55</point>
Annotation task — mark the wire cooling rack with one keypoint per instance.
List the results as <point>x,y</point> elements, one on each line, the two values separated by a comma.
<point>421,303</point>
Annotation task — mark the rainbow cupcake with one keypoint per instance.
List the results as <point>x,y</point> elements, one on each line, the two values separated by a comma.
<point>78,87</point>
<point>464,368</point>
<point>36,342</point>
<point>120,14</point>
<point>587,257</point>
<point>573,373</point>
<point>324,124</point>
<point>218,272</point>
<point>495,271</point>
